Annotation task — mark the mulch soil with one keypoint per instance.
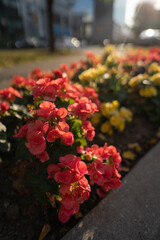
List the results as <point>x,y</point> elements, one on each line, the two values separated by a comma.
<point>19,221</point>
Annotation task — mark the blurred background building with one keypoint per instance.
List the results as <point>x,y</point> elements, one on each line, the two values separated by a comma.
<point>24,23</point>
<point>11,25</point>
<point>103,20</point>
<point>34,18</point>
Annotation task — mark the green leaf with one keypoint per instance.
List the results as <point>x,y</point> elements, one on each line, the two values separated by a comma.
<point>22,151</point>
<point>76,127</point>
<point>58,149</point>
<point>40,185</point>
<point>81,142</point>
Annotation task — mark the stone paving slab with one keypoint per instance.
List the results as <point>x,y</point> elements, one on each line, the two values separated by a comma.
<point>131,212</point>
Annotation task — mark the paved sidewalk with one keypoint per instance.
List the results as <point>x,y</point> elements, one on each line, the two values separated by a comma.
<point>6,74</point>
<point>131,212</point>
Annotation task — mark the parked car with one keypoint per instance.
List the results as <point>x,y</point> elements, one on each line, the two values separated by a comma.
<point>149,37</point>
<point>67,42</point>
<point>32,42</point>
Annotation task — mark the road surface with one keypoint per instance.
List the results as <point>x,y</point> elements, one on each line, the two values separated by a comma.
<point>7,73</point>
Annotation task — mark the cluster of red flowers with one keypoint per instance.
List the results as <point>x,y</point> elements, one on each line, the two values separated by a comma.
<point>51,85</point>
<point>52,123</point>
<point>91,60</point>
<point>7,96</point>
<point>91,57</point>
<point>22,82</point>
<point>103,165</point>
<point>60,87</point>
<point>74,188</point>
<point>140,56</point>
<point>60,116</point>
<point>100,163</point>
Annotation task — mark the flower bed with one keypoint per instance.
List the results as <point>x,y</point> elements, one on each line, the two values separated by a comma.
<point>48,122</point>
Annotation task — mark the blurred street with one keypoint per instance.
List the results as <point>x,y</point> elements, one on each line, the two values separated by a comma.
<point>7,73</point>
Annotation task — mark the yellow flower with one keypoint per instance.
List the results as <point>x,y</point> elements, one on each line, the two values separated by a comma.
<point>126,114</point>
<point>117,122</point>
<point>156,79</point>
<point>108,108</point>
<point>111,60</point>
<point>96,119</point>
<point>154,68</point>
<point>124,79</point>
<point>101,69</point>
<point>92,73</point>
<point>116,116</point>
<point>89,74</point>
<point>136,80</point>
<point>115,104</point>
<point>148,91</point>
<point>107,128</point>
<point>121,126</point>
<point>109,49</point>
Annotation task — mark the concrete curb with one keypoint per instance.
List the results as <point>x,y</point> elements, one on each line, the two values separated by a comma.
<point>131,212</point>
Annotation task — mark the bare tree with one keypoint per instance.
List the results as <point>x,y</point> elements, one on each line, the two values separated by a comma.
<point>146,16</point>
<point>103,20</point>
<point>50,20</point>
<point>50,16</point>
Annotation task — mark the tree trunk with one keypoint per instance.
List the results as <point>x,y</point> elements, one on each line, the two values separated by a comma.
<point>50,19</point>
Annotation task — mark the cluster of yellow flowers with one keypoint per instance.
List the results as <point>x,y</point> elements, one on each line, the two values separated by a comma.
<point>154,68</point>
<point>111,59</point>
<point>156,79</point>
<point>148,91</point>
<point>92,73</point>
<point>109,49</point>
<point>124,78</point>
<point>147,82</point>
<point>112,77</point>
<point>116,117</point>
<point>135,81</point>
<point>96,119</point>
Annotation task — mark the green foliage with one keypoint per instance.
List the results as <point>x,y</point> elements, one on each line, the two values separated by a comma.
<point>38,184</point>
<point>75,76</point>
<point>58,149</point>
<point>76,129</point>
<point>152,109</point>
<point>111,89</point>
<point>21,150</point>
